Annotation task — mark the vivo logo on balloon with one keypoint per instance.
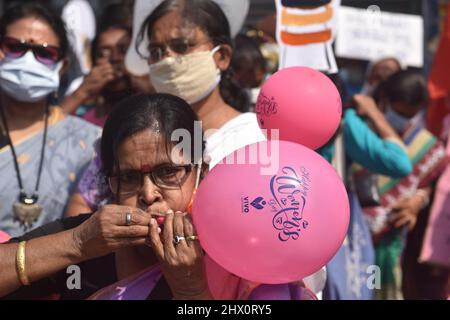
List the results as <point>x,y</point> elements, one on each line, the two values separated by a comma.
<point>290,197</point>
<point>259,204</point>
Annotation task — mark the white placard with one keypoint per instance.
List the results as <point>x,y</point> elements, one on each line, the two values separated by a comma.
<point>371,35</point>
<point>318,56</point>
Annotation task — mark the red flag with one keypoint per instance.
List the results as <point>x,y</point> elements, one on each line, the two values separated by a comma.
<point>439,84</point>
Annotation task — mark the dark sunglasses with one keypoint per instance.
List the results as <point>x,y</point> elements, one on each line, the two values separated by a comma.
<point>14,48</point>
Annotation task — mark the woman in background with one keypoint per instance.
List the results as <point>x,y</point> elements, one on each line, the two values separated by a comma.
<point>42,151</point>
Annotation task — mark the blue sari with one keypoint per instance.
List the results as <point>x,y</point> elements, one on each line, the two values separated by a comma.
<point>68,150</point>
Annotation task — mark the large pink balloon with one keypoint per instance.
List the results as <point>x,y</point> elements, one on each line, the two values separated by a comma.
<point>274,228</point>
<point>303,104</point>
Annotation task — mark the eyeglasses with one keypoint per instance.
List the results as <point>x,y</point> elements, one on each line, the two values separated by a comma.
<point>178,46</point>
<point>14,48</point>
<point>165,177</point>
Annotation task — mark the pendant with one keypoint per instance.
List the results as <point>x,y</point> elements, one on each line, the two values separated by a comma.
<point>27,210</point>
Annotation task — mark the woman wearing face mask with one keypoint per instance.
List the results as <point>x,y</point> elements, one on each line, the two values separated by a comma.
<point>404,202</point>
<point>189,56</point>
<point>365,139</point>
<point>41,151</point>
<point>149,182</point>
<point>379,71</point>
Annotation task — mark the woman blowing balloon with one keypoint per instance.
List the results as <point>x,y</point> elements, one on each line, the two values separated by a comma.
<point>148,181</point>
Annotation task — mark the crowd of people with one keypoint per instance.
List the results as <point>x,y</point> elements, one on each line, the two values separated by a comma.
<point>91,178</point>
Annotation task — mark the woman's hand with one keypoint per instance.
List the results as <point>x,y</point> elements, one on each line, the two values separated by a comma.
<point>182,263</point>
<point>107,231</point>
<point>366,106</point>
<point>406,211</point>
<point>99,77</point>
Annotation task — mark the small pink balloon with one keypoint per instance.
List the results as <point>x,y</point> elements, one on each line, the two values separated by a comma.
<point>4,237</point>
<point>303,104</point>
<point>274,228</point>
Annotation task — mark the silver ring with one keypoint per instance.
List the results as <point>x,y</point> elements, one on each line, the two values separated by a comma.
<point>128,219</point>
<point>178,239</point>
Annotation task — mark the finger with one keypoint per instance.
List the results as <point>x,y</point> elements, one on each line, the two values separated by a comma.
<point>135,231</point>
<point>169,247</point>
<point>108,76</point>
<point>120,243</point>
<point>400,205</point>
<point>401,222</point>
<point>155,240</point>
<point>412,224</point>
<point>102,61</point>
<point>138,217</point>
<point>178,229</point>
<point>189,230</point>
<point>108,69</point>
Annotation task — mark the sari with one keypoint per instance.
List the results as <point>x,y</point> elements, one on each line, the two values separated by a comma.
<point>222,284</point>
<point>428,157</point>
<point>436,245</point>
<point>69,149</point>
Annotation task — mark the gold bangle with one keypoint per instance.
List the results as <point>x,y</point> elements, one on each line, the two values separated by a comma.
<point>20,264</point>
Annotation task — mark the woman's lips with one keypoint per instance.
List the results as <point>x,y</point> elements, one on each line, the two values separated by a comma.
<point>160,220</point>
<point>160,217</point>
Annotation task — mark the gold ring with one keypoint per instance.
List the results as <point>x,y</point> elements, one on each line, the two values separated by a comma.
<point>191,238</point>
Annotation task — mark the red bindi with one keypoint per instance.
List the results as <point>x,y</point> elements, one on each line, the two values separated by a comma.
<point>146,168</point>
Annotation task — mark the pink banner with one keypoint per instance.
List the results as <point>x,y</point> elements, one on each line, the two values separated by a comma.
<point>436,245</point>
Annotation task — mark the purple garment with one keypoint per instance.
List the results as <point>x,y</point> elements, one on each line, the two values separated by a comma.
<point>92,185</point>
<point>139,287</point>
<point>289,291</point>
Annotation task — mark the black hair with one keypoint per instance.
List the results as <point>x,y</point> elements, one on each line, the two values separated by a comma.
<point>209,17</point>
<point>146,111</point>
<point>247,53</point>
<point>406,86</point>
<point>340,85</point>
<point>20,10</point>
<point>116,16</point>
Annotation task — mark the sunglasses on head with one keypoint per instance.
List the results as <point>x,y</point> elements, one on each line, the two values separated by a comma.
<point>14,48</point>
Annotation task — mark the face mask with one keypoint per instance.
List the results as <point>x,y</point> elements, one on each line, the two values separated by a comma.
<point>401,123</point>
<point>27,80</point>
<point>191,77</point>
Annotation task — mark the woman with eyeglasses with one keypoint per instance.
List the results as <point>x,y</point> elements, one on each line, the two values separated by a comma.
<point>145,239</point>
<point>147,182</point>
<point>41,151</point>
